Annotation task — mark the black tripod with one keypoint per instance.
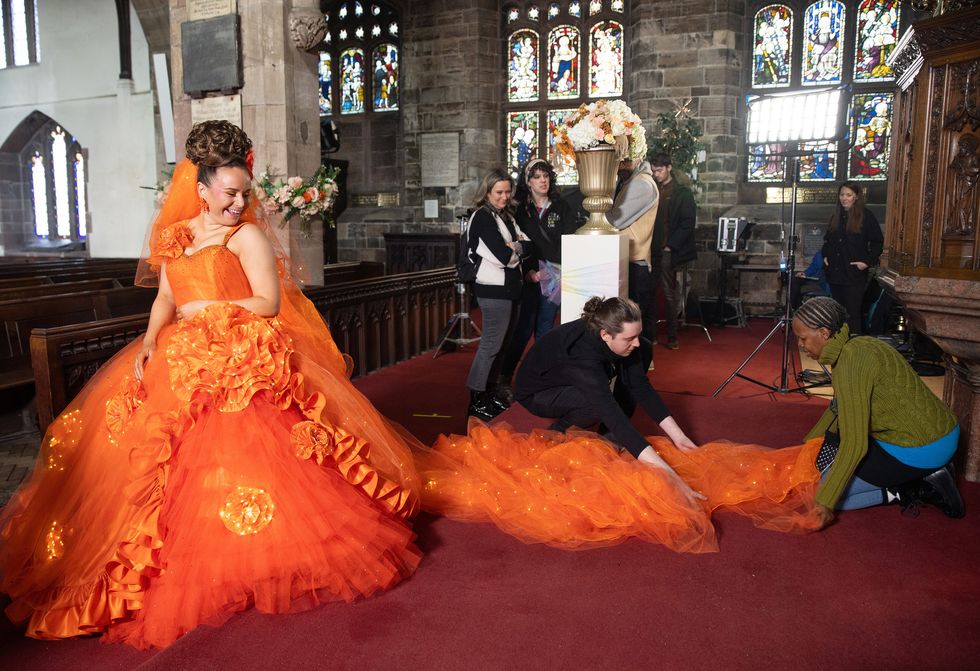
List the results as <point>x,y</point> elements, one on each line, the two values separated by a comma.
<point>784,322</point>
<point>460,323</point>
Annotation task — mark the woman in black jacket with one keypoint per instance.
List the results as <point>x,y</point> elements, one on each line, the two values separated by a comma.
<point>544,217</point>
<point>496,244</point>
<point>852,244</point>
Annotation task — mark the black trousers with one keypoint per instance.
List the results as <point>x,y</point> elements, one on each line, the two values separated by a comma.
<point>643,290</point>
<point>851,296</point>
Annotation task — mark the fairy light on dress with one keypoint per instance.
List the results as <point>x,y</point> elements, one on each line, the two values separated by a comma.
<point>247,510</point>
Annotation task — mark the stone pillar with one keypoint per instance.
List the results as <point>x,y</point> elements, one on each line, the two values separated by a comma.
<point>279,104</point>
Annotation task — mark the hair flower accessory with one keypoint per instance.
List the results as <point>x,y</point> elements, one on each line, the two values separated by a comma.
<point>294,196</point>
<point>609,122</point>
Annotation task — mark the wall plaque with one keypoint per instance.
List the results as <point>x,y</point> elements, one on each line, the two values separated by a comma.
<point>211,54</point>
<point>379,199</point>
<point>804,194</point>
<point>439,158</point>
<point>228,108</point>
<point>208,9</point>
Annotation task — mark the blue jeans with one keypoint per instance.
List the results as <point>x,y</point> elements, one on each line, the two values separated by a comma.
<point>858,494</point>
<point>546,316</point>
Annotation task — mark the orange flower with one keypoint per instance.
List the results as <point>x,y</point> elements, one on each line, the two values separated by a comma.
<point>173,240</point>
<point>123,404</point>
<point>230,354</point>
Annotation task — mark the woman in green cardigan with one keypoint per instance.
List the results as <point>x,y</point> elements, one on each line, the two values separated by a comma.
<point>896,439</point>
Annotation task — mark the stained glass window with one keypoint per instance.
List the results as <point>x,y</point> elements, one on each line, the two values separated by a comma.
<point>19,33</point>
<point>767,162</point>
<point>595,6</point>
<point>523,69</point>
<point>3,40</point>
<point>564,62</point>
<point>877,33</point>
<point>553,10</point>
<point>772,44</point>
<point>575,9</point>
<point>352,81</point>
<point>823,50</point>
<point>385,59</point>
<point>366,61</point>
<point>59,165</point>
<point>523,133</point>
<point>81,206</point>
<point>606,59</point>
<point>39,187</point>
<point>513,14</point>
<point>618,5</point>
<point>870,133</point>
<point>564,168</point>
<point>325,75</point>
<point>821,164</point>
<point>533,13</point>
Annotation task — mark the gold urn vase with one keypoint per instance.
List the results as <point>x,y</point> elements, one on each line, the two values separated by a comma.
<point>597,180</point>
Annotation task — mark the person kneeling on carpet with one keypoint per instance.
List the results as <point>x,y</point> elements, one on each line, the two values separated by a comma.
<point>593,370</point>
<point>913,435</point>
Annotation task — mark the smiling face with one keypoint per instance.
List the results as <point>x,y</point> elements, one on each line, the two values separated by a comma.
<point>812,340</point>
<point>624,342</point>
<point>227,195</point>
<point>499,195</point>
<point>847,197</point>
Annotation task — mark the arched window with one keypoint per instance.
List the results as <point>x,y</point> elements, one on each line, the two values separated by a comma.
<point>559,55</point>
<point>356,31</point>
<point>19,43</point>
<point>804,46</point>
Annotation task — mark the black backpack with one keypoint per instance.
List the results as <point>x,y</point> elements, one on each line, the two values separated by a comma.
<point>466,266</point>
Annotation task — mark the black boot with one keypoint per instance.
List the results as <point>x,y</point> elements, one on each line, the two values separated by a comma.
<point>481,407</point>
<point>939,489</point>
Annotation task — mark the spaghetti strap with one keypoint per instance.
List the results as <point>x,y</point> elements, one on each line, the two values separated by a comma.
<point>231,233</point>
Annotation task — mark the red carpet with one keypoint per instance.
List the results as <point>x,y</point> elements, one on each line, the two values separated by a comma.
<point>876,590</point>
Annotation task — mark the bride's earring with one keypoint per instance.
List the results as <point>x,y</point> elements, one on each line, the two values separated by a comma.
<point>204,206</point>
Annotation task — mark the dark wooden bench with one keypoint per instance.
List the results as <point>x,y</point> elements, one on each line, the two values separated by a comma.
<point>19,317</point>
<point>54,268</point>
<point>65,357</point>
<point>38,290</point>
<point>33,281</point>
<point>351,271</point>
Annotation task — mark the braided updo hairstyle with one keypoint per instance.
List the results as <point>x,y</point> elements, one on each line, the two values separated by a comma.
<point>217,144</point>
<point>822,312</point>
<point>609,314</point>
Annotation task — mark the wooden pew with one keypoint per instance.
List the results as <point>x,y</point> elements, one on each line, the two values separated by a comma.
<point>54,268</point>
<point>18,317</point>
<point>351,271</point>
<point>65,357</point>
<point>21,293</point>
<point>377,321</point>
<point>12,282</point>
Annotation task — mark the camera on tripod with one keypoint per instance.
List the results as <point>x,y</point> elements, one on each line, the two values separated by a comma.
<point>732,233</point>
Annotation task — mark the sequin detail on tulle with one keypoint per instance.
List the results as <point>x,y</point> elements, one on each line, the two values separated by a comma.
<point>62,440</point>
<point>247,510</point>
<point>229,354</point>
<point>54,544</point>
<point>349,455</point>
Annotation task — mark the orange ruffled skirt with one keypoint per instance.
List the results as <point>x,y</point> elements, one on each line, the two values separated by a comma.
<point>239,474</point>
<point>577,491</point>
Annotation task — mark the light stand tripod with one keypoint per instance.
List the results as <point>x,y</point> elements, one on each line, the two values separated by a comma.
<point>460,322</point>
<point>785,321</point>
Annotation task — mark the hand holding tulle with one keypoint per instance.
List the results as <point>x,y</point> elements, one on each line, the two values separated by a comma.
<point>824,514</point>
<point>650,456</point>
<point>191,308</point>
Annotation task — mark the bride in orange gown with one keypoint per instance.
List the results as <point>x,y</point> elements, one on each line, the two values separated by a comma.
<point>222,462</point>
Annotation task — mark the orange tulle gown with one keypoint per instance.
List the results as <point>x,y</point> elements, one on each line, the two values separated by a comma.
<point>245,471</point>
<point>577,491</point>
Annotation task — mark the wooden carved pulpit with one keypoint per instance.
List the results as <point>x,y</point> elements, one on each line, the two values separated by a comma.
<point>932,250</point>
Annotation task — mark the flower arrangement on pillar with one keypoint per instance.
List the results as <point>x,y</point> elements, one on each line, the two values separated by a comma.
<point>597,136</point>
<point>308,199</point>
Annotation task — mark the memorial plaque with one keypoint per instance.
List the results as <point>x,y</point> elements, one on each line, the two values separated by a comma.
<point>228,108</point>
<point>210,50</point>
<point>208,9</point>
<point>439,158</point>
<point>804,194</point>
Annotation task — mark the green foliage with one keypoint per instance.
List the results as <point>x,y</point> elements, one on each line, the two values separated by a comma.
<point>677,136</point>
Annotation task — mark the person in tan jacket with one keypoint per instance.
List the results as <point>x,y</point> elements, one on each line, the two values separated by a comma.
<point>635,211</point>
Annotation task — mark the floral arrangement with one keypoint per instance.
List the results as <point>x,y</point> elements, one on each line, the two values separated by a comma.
<point>609,122</point>
<point>294,196</point>
<point>678,136</point>
<point>162,188</point>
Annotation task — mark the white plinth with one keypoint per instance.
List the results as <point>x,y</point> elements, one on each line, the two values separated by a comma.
<point>591,265</point>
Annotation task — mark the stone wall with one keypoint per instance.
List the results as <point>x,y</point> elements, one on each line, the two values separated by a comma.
<point>452,70</point>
